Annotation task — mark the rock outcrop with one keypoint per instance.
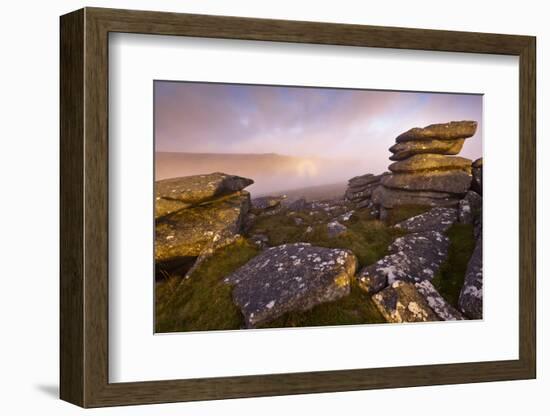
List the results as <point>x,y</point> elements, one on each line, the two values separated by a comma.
<point>195,215</point>
<point>402,302</point>
<point>413,257</point>
<point>477,173</point>
<point>290,277</point>
<point>361,187</point>
<point>267,204</point>
<point>425,172</point>
<point>453,130</point>
<point>436,302</point>
<point>174,194</point>
<point>470,300</point>
<point>191,231</point>
<point>469,208</point>
<point>437,219</point>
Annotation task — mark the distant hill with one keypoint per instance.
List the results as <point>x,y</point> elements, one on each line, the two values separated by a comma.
<point>271,172</point>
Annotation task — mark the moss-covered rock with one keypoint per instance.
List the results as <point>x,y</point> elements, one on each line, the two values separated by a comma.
<point>404,150</point>
<point>444,131</point>
<point>449,181</point>
<point>174,194</point>
<point>192,231</point>
<point>290,277</point>
<point>390,198</point>
<point>402,302</point>
<point>431,162</point>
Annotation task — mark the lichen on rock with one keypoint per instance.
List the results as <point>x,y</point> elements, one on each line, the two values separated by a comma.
<point>290,277</point>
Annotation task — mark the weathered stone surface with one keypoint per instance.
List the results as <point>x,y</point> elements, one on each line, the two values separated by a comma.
<point>470,300</point>
<point>334,229</point>
<point>428,162</point>
<point>402,302</point>
<point>191,231</point>
<point>440,306</point>
<point>389,198</point>
<point>291,277</point>
<point>266,202</point>
<point>178,193</point>
<point>477,172</point>
<point>295,204</point>
<point>446,131</point>
<point>450,181</point>
<point>469,208</point>
<point>437,219</point>
<point>404,150</point>
<point>414,257</point>
<point>167,206</point>
<point>360,195</point>
<point>360,187</point>
<point>363,180</point>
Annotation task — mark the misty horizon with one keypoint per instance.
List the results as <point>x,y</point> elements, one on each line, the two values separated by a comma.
<point>293,137</point>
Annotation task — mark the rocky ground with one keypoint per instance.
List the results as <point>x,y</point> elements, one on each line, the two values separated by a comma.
<point>404,246</point>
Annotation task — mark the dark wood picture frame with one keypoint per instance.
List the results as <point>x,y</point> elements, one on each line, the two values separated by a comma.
<point>84,207</point>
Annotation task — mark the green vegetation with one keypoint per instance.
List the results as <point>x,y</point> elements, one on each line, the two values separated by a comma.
<point>203,302</point>
<point>450,278</point>
<point>403,212</point>
<point>366,237</point>
<point>357,308</point>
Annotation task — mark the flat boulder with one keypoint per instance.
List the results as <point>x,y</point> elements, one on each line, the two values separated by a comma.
<point>192,231</point>
<point>407,149</point>
<point>449,181</point>
<point>178,193</point>
<point>437,219</point>
<point>264,203</point>
<point>428,162</point>
<point>390,198</point>
<point>363,180</point>
<point>445,131</point>
<point>437,303</point>
<point>413,257</point>
<point>290,277</point>
<point>470,301</point>
<point>402,302</point>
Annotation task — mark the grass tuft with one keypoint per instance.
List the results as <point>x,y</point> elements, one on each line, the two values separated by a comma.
<point>203,302</point>
<point>356,308</point>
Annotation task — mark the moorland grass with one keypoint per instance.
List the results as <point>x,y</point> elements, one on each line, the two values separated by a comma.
<point>203,302</point>
<point>450,278</point>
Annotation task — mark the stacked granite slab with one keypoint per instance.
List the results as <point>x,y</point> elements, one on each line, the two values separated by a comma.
<point>360,189</point>
<point>425,169</point>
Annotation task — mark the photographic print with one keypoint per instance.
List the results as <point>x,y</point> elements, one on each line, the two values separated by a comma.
<point>289,206</point>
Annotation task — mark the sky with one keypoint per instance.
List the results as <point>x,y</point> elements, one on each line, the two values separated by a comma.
<point>355,125</point>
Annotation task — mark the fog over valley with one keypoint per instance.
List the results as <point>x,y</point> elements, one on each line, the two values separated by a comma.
<point>271,172</point>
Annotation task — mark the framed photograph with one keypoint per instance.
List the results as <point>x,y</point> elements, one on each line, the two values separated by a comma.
<point>255,207</point>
